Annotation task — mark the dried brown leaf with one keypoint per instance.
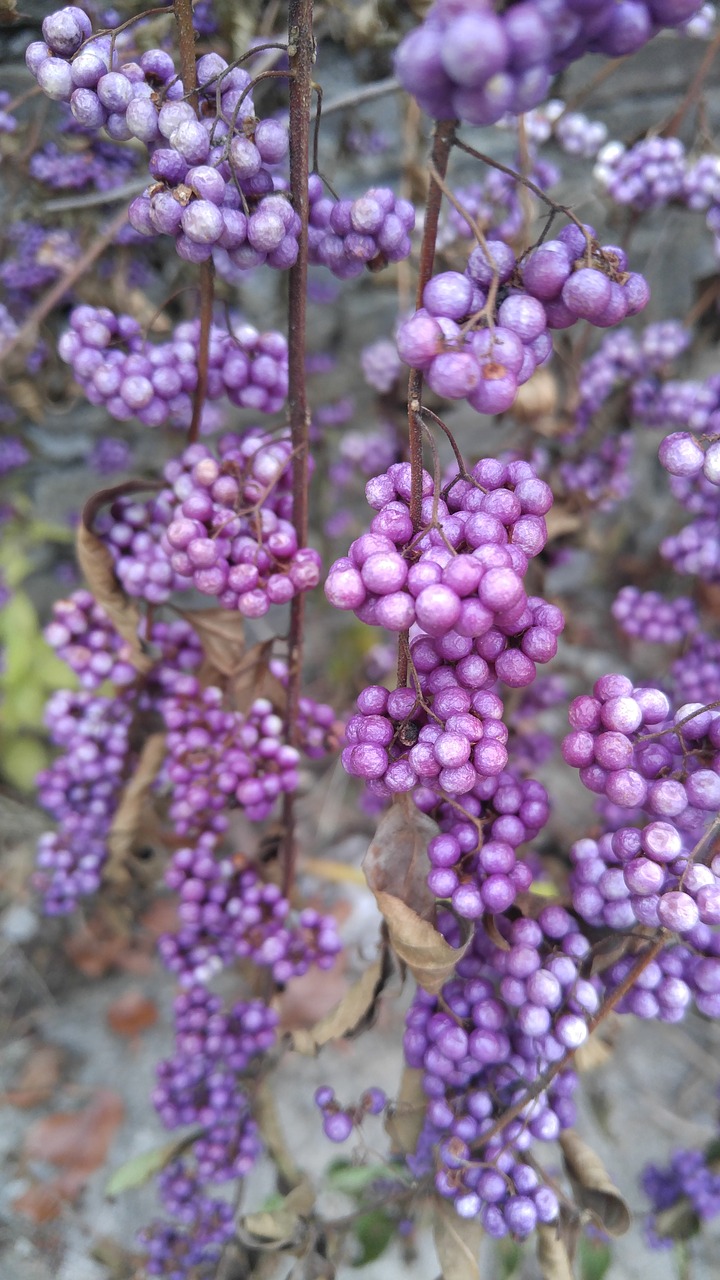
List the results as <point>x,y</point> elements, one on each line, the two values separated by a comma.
<point>457,1241</point>
<point>354,1013</point>
<point>42,1202</point>
<point>560,522</point>
<point>253,679</point>
<point>284,1227</point>
<point>592,1185</point>
<point>132,1013</point>
<point>552,1254</point>
<point>396,867</point>
<point>38,1078</point>
<point>405,1121</point>
<point>594,1053</point>
<point>268,1122</point>
<point>134,814</point>
<point>97,566</point>
<point>536,398</point>
<point>309,997</point>
<point>78,1140</point>
<point>222,636</point>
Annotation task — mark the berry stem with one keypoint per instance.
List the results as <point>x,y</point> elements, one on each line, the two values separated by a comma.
<point>186,48</point>
<point>301,51</point>
<point>443,139</point>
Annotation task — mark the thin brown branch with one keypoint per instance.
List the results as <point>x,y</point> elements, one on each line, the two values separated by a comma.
<point>609,1003</point>
<point>27,333</point>
<point>301,51</point>
<point>672,127</point>
<point>207,294</point>
<point>186,48</point>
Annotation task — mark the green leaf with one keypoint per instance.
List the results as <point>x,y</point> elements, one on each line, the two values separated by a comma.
<point>510,1256</point>
<point>139,1170</point>
<point>595,1258</point>
<point>352,1179</point>
<point>22,758</point>
<point>373,1232</point>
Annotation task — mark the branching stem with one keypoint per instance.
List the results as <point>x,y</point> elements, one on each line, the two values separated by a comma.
<point>301,48</point>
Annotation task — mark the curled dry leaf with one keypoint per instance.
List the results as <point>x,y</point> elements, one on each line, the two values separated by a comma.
<point>77,1141</point>
<point>405,1121</point>
<point>132,1013</point>
<point>457,1241</point>
<point>134,814</point>
<point>97,566</point>
<point>38,1078</point>
<point>42,1202</point>
<point>353,1014</point>
<point>284,1227</point>
<point>593,1188</point>
<point>222,636</point>
<point>396,867</point>
<point>552,1254</point>
<point>268,1122</point>
<point>253,679</point>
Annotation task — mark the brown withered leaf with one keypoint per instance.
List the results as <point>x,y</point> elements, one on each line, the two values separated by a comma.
<point>134,814</point>
<point>592,1185</point>
<point>77,1141</point>
<point>552,1255</point>
<point>560,522</point>
<point>309,997</point>
<point>132,1013</point>
<point>353,1014</point>
<point>595,1052</point>
<point>222,636</point>
<point>396,867</point>
<point>42,1202</point>
<point>280,1228</point>
<point>405,1120</point>
<point>268,1122</point>
<point>536,398</point>
<point>38,1078</point>
<point>457,1241</point>
<point>253,679</point>
<point>97,567</point>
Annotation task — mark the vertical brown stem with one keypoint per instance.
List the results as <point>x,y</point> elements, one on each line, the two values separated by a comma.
<point>207,293</point>
<point>186,47</point>
<point>301,52</point>
<point>443,139</point>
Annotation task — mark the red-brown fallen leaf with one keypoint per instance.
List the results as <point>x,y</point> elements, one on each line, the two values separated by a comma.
<point>132,1013</point>
<point>37,1079</point>
<point>308,998</point>
<point>77,1140</point>
<point>40,1203</point>
<point>161,917</point>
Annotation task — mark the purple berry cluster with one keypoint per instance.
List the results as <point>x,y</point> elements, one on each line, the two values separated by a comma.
<point>213,183</point>
<point>506,1015</point>
<point>338,1121</point>
<point>131,378</point>
<point>649,616</point>
<point>231,534</point>
<point>459,578</point>
<point>227,913</point>
<point>80,790</point>
<point>495,205</point>
<point>349,235</point>
<point>467,60</point>
<point>481,334</point>
<point>216,756</point>
<point>132,531</point>
<point>690,1181</point>
<point>83,636</point>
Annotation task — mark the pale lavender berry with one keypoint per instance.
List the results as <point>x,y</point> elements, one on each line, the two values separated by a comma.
<point>587,293</point>
<point>681,455</point>
<point>678,911</point>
